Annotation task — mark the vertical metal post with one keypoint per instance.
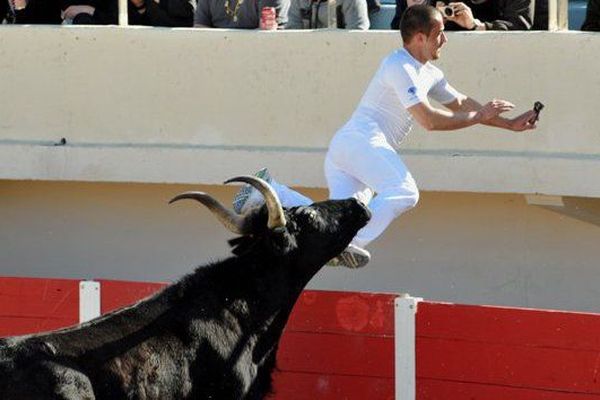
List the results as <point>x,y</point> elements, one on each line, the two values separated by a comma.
<point>331,14</point>
<point>558,15</point>
<point>123,16</point>
<point>405,309</point>
<point>89,300</point>
<point>563,15</point>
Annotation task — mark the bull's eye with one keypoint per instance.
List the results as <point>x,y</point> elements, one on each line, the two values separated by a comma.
<point>310,215</point>
<point>307,213</point>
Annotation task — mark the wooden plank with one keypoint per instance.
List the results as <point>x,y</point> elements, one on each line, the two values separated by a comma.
<point>539,368</point>
<point>29,305</point>
<point>336,354</point>
<point>302,386</point>
<point>432,389</point>
<point>118,294</point>
<point>523,327</point>
<point>343,312</point>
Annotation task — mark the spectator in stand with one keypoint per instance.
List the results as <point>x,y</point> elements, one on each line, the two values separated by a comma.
<point>30,11</point>
<point>90,12</point>
<point>243,14</point>
<point>312,14</point>
<point>480,15</point>
<point>172,13</point>
<point>592,16</point>
<point>540,16</point>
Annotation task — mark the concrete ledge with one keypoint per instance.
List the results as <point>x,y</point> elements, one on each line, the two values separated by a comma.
<point>440,170</point>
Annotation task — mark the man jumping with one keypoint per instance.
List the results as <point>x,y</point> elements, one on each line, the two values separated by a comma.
<point>362,160</point>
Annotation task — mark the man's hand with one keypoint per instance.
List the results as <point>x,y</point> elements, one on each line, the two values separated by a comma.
<point>72,11</point>
<point>492,109</point>
<point>463,15</point>
<point>523,122</point>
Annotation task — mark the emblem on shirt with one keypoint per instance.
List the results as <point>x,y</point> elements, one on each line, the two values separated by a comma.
<point>412,90</point>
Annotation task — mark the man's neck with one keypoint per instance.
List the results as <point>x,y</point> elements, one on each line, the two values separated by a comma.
<point>415,54</point>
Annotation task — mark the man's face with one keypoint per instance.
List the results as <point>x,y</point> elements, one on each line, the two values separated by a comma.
<point>436,39</point>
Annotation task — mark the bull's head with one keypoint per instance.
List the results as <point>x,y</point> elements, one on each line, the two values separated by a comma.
<point>308,235</point>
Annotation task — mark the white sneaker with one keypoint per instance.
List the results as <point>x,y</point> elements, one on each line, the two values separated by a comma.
<point>352,257</point>
<point>248,197</point>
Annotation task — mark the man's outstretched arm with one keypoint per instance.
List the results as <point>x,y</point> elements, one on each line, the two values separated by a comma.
<point>520,123</point>
<point>457,117</point>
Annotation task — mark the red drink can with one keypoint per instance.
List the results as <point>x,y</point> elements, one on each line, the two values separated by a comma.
<point>268,19</point>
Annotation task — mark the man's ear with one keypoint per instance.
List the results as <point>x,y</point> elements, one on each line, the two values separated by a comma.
<point>420,37</point>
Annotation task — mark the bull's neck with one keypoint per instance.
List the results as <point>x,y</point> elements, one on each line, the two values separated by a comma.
<point>259,296</point>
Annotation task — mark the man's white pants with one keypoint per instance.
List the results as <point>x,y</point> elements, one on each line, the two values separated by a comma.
<point>361,163</point>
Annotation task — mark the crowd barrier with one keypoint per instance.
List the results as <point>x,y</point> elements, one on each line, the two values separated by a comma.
<point>356,346</point>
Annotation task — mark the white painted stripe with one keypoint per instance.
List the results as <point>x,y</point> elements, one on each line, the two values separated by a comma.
<point>89,300</point>
<point>404,343</point>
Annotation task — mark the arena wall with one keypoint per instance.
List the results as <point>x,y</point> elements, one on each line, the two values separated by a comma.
<point>460,247</point>
<point>504,218</point>
<point>344,345</point>
<point>195,106</point>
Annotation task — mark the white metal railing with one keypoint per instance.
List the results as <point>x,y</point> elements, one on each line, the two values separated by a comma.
<point>331,14</point>
<point>123,17</point>
<point>558,14</point>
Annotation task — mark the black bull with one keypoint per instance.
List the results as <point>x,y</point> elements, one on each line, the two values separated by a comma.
<point>212,335</point>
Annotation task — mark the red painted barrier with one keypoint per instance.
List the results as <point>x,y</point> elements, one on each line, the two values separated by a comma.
<point>29,305</point>
<point>117,294</point>
<point>339,345</point>
<point>495,353</point>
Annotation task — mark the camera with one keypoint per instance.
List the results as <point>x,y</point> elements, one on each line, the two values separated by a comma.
<point>537,107</point>
<point>448,11</point>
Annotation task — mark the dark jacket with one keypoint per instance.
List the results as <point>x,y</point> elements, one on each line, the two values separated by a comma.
<point>36,12</point>
<point>172,13</point>
<point>498,15</point>
<point>164,13</point>
<point>540,19</point>
<point>592,16</point>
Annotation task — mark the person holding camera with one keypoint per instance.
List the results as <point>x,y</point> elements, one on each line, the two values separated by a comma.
<point>363,157</point>
<point>480,15</point>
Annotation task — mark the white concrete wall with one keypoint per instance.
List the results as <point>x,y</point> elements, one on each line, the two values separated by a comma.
<point>461,247</point>
<point>196,106</point>
<point>166,107</point>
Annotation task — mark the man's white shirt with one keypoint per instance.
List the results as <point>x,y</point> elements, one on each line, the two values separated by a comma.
<point>400,83</point>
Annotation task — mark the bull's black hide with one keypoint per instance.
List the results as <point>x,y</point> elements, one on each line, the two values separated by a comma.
<point>212,335</point>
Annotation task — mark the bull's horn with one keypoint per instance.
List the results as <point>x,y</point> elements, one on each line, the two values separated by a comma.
<point>276,216</point>
<point>229,219</point>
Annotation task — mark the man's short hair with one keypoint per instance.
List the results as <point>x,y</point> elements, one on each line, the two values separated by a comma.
<point>417,19</point>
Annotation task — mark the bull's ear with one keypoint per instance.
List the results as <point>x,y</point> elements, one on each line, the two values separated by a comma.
<point>282,242</point>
